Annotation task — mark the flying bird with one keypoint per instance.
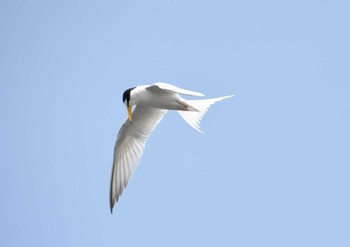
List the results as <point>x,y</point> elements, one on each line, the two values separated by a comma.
<point>152,102</point>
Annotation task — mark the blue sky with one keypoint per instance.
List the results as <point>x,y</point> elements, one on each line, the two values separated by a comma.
<point>272,169</point>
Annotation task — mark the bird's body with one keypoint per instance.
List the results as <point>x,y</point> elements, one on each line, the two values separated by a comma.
<point>152,102</point>
<point>157,99</point>
<point>160,96</point>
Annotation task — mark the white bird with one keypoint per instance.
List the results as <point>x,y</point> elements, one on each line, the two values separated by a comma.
<point>152,102</point>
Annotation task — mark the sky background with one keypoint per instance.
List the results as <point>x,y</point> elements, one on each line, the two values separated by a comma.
<point>272,169</point>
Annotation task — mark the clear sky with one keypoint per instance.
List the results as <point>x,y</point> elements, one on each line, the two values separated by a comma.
<point>272,169</point>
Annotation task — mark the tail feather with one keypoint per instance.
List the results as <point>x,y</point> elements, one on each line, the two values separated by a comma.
<point>197,109</point>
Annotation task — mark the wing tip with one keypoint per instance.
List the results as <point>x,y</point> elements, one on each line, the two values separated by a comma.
<point>111,205</point>
<point>199,94</point>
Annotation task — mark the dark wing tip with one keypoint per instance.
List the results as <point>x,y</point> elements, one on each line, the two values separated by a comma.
<point>111,204</point>
<point>111,201</point>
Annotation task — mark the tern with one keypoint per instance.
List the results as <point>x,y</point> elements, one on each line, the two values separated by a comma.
<point>152,102</point>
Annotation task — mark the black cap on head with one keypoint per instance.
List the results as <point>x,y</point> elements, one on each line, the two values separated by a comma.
<point>126,95</point>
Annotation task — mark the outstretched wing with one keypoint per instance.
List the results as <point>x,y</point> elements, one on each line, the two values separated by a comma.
<point>129,147</point>
<point>173,89</point>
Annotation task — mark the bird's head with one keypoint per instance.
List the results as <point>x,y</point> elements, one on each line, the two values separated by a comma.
<point>128,102</point>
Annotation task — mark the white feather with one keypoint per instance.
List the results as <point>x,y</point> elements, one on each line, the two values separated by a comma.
<point>193,118</point>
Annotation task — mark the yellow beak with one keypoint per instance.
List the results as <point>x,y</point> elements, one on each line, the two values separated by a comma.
<point>130,112</point>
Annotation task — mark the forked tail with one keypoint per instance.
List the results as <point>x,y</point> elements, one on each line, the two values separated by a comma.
<point>197,109</point>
